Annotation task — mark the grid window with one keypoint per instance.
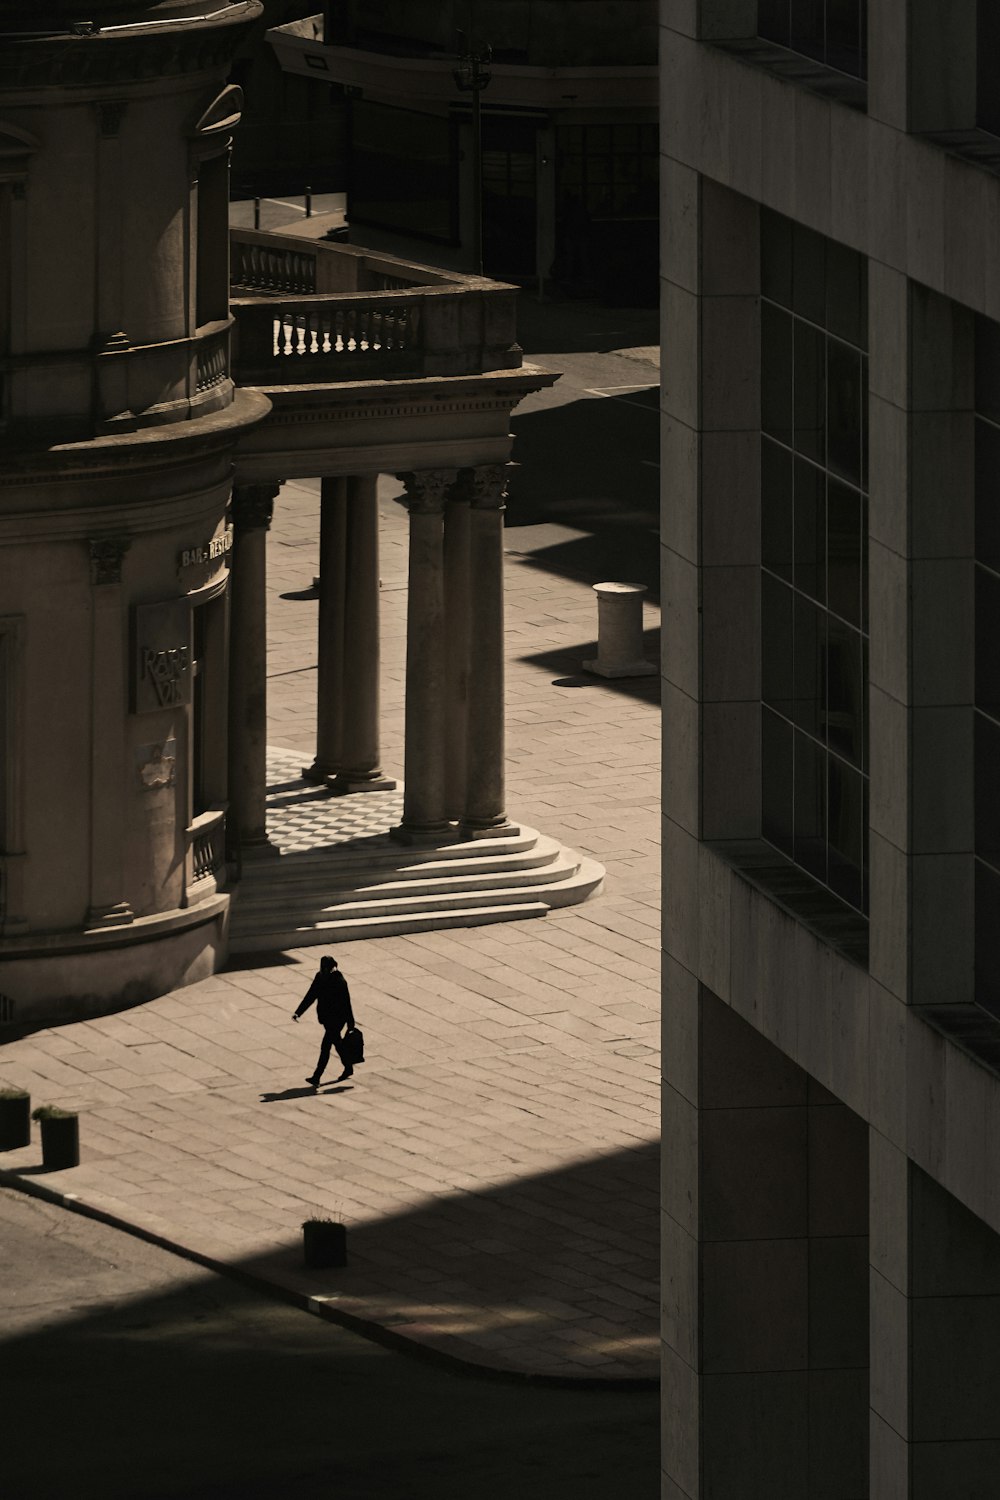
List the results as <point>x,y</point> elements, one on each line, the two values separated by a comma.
<point>986,735</point>
<point>814,555</point>
<point>611,171</point>
<point>834,32</point>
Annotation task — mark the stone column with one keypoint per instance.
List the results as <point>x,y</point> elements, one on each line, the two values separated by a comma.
<point>358,766</point>
<point>332,593</point>
<point>424,803</point>
<point>458,594</point>
<point>108,907</point>
<point>253,507</point>
<point>484,739</point>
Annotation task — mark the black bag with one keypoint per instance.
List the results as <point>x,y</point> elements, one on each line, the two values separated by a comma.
<point>354,1046</point>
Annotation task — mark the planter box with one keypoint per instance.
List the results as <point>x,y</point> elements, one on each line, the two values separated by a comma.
<point>15,1122</point>
<point>324,1245</point>
<point>60,1142</point>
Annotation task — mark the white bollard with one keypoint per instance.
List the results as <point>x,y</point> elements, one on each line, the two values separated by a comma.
<point>619,632</point>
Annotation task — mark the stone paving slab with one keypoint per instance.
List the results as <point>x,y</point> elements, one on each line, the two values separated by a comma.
<point>496,1159</point>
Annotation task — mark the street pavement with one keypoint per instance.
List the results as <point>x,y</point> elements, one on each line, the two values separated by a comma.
<point>496,1158</point>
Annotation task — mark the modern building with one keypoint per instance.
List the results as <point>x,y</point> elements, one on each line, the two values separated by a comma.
<point>831,340</point>
<point>148,421</point>
<point>568,138</point>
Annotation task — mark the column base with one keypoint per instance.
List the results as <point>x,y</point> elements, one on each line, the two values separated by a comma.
<point>626,669</point>
<point>423,833</point>
<point>361,781</point>
<point>318,772</point>
<point>117,914</point>
<point>474,830</point>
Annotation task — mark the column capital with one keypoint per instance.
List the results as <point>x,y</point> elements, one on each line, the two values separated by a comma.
<point>253,506</point>
<point>106,555</point>
<point>485,486</point>
<point>427,490</point>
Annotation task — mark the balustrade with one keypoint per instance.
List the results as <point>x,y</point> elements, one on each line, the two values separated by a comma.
<point>207,844</point>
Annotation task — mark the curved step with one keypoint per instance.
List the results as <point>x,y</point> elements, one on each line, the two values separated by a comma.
<point>384,926</point>
<point>319,893</point>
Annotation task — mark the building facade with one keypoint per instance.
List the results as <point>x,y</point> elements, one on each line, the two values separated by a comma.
<point>831,343</point>
<point>148,420</point>
<point>569,137</point>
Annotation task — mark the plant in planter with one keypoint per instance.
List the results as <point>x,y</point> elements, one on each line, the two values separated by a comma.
<point>60,1136</point>
<point>15,1119</point>
<point>324,1243</point>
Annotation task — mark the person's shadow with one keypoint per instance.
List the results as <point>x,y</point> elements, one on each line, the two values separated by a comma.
<point>305,1093</point>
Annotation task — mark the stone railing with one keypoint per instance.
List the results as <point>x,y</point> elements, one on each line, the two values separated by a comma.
<point>280,265</point>
<point>365,315</point>
<point>207,846</point>
<point>211,360</point>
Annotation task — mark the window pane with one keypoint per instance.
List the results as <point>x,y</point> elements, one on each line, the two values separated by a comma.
<point>988,641</point>
<point>776,509</point>
<point>987,340</point>
<point>843,514</point>
<point>846,312</point>
<point>809,392</point>
<point>776,644</point>
<point>773,20</point>
<point>863,564</point>
<point>988,494</point>
<point>807,27</point>
<point>843,36</point>
<point>864,423</point>
<point>809,653</point>
<point>846,830</point>
<point>844,410</point>
<point>987,928</point>
<point>987,51</point>
<point>808,274</point>
<point>777,789</point>
<point>776,257</point>
<point>776,374</point>
<point>845,691</point>
<point>810,530</point>
<point>987,790</point>
<point>810,807</point>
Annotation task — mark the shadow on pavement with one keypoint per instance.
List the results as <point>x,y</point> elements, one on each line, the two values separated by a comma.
<point>644,689</point>
<point>208,1391</point>
<point>565,510</point>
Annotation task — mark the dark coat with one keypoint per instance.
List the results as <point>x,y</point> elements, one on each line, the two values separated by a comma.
<point>333,1000</point>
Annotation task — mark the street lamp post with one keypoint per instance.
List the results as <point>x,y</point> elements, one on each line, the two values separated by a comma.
<point>471,76</point>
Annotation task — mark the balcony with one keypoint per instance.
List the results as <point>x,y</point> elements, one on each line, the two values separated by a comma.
<point>313,314</point>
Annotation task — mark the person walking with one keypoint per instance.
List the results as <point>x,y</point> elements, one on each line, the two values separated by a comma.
<point>333,1011</point>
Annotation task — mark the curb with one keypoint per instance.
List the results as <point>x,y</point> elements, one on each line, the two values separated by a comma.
<point>377,1333</point>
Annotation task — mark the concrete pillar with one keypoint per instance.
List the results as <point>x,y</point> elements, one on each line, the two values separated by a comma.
<point>332,597</point>
<point>359,769</point>
<point>253,507</point>
<point>424,799</point>
<point>108,906</point>
<point>484,739</point>
<point>458,595</point>
<point>766,1256</point>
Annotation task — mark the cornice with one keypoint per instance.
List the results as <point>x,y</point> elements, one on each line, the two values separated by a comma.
<point>116,60</point>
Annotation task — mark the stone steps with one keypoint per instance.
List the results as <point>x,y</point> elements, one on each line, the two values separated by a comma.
<point>342,894</point>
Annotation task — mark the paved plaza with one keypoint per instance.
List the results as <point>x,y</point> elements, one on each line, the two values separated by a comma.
<point>496,1158</point>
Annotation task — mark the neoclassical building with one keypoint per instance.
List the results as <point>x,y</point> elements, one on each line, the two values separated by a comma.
<point>146,424</point>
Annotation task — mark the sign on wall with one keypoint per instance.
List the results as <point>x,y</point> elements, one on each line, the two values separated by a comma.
<point>161,675</point>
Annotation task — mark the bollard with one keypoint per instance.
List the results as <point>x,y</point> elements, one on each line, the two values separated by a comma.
<point>619,632</point>
<point>309,202</point>
<point>256,213</point>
